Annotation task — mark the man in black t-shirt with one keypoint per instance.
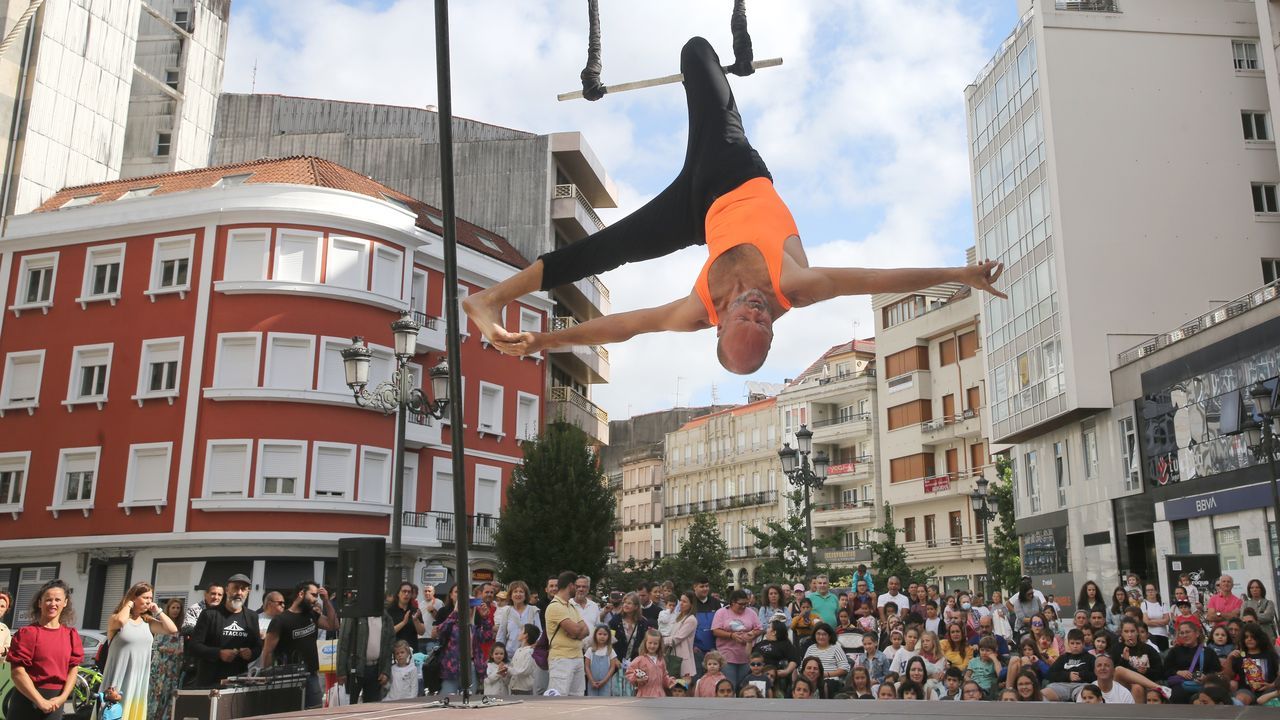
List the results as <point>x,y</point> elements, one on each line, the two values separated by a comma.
<point>225,639</point>
<point>292,635</point>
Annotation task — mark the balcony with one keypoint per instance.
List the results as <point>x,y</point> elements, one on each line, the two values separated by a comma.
<point>857,471</point>
<point>573,214</point>
<point>942,430</point>
<point>909,386</point>
<point>588,362</point>
<point>436,528</point>
<point>738,553</point>
<point>836,429</point>
<point>766,497</point>
<point>1106,6</point>
<point>431,336</point>
<point>928,489</point>
<point>421,431</point>
<point>948,549</point>
<point>839,514</point>
<point>569,405</point>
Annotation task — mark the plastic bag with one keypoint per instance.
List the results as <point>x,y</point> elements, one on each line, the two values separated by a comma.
<point>337,697</point>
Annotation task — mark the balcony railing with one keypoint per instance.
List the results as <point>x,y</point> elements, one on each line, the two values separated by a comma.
<point>1263,295</point>
<point>737,553</point>
<point>566,394</point>
<point>572,191</point>
<point>765,497</point>
<point>843,505</point>
<point>564,322</point>
<point>482,527</point>
<point>424,320</point>
<point>849,467</point>
<point>832,422</point>
<point>1108,6</point>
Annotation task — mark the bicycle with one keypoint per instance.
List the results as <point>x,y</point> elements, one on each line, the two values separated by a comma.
<point>84,696</point>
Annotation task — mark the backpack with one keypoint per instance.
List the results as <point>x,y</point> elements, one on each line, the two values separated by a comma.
<point>542,648</point>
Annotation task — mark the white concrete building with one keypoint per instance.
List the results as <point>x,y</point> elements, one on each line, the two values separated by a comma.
<point>1124,169</point>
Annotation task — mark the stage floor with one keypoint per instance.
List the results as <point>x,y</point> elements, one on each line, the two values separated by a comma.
<point>539,708</point>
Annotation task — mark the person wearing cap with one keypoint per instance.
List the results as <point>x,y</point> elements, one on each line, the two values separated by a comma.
<point>864,574</point>
<point>797,594</point>
<point>225,639</point>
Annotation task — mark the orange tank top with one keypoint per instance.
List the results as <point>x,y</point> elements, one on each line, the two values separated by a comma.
<point>750,214</point>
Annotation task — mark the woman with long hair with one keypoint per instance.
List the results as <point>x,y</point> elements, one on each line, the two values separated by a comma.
<point>680,643</point>
<point>1155,616</point>
<point>1090,598</point>
<point>1027,685</point>
<point>918,675</point>
<point>131,632</point>
<point>1253,669</point>
<point>481,628</point>
<point>44,656</point>
<point>1115,611</point>
<point>779,653</point>
<point>166,665</point>
<point>835,664</point>
<point>811,673</point>
<point>1050,645</point>
<point>628,627</point>
<point>6,636</point>
<point>955,647</point>
<point>773,604</point>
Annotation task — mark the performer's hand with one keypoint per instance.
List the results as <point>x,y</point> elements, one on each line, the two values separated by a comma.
<point>525,343</point>
<point>983,276</point>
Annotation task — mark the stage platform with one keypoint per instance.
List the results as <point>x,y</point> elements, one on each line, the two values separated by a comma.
<point>563,708</point>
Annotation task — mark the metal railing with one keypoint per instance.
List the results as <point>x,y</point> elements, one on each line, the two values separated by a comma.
<point>564,322</point>
<point>832,422</point>
<point>842,505</point>
<point>1108,6</point>
<point>736,553</point>
<point>1263,295</point>
<point>424,320</point>
<point>764,497</point>
<point>572,191</point>
<point>950,541</point>
<point>566,394</point>
<point>857,464</point>
<point>482,527</point>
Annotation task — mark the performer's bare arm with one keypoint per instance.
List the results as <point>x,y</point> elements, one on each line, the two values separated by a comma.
<point>806,286</point>
<point>683,315</point>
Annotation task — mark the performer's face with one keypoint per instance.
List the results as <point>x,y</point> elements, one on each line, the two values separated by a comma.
<point>745,333</point>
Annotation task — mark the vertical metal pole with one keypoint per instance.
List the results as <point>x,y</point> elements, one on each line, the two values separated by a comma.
<point>396,571</point>
<point>808,518</point>
<point>462,525</point>
<point>986,547</point>
<point>1269,441</point>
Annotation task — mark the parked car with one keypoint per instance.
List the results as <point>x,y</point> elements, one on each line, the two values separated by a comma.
<point>92,640</point>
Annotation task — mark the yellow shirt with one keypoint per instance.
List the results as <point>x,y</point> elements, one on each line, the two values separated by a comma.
<point>563,647</point>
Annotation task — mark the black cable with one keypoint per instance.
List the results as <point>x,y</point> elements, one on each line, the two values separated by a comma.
<point>592,88</point>
<point>742,55</point>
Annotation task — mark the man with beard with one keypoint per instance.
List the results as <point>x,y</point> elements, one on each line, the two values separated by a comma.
<point>225,639</point>
<point>292,636</point>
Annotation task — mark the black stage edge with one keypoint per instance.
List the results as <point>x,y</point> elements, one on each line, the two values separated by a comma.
<point>563,708</point>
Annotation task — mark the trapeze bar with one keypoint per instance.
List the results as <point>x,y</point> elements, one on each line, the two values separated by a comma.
<point>664,80</point>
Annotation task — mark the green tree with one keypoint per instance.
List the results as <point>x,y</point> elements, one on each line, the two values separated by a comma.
<point>785,546</point>
<point>1005,553</point>
<point>702,554</point>
<point>627,575</point>
<point>560,511</point>
<point>888,558</point>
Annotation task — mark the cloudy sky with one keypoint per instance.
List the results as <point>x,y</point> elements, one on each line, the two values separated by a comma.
<point>862,127</point>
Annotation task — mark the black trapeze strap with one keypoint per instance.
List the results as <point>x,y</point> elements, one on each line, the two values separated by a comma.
<point>592,88</point>
<point>742,55</point>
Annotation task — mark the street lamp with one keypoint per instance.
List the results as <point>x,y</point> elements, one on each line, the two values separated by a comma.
<point>398,396</point>
<point>795,465</point>
<point>982,510</point>
<point>1260,433</point>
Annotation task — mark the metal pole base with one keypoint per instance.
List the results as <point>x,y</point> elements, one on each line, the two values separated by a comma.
<point>485,701</point>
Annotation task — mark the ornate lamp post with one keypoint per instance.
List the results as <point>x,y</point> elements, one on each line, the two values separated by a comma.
<point>1260,432</point>
<point>795,464</point>
<point>983,511</point>
<point>398,396</point>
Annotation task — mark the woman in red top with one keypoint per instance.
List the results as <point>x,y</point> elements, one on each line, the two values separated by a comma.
<point>44,656</point>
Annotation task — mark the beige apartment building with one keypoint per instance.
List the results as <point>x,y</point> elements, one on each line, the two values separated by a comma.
<point>933,448</point>
<point>726,464</point>
<point>835,397</point>
<point>640,505</point>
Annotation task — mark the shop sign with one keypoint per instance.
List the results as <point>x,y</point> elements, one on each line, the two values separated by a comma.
<point>434,574</point>
<point>1249,497</point>
<point>940,483</point>
<point>482,575</point>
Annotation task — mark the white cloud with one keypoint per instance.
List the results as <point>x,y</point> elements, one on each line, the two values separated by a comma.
<point>865,116</point>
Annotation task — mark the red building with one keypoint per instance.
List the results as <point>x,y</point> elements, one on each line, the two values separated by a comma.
<point>173,405</point>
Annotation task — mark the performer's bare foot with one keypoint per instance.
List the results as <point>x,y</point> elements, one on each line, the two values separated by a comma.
<point>488,317</point>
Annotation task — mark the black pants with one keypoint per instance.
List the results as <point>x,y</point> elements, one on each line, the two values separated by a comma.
<point>366,688</point>
<point>21,707</point>
<point>717,160</point>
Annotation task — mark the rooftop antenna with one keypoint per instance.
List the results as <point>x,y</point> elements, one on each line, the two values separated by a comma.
<point>678,379</point>
<point>715,395</point>
<point>253,77</point>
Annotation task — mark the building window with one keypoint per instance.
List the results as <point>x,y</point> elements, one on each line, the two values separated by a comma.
<point>348,263</point>
<point>77,470</point>
<point>90,371</point>
<point>1270,270</point>
<point>490,420</point>
<point>35,286</point>
<point>387,273</point>
<point>103,267</point>
<point>236,361</point>
<point>946,352</point>
<point>1089,441</point>
<point>526,416</point>
<point>1246,54</point>
<point>164,143</point>
<point>909,529</point>
<point>930,531</point>
<point>1256,125</point>
<point>375,475</point>
<point>333,470</point>
<point>290,361</point>
<point>1033,481</point>
<point>159,369</point>
<point>171,264</point>
<point>530,321</point>
<point>281,464</point>
<point>1129,455</point>
<point>1230,548</point>
<point>171,77</point>
<point>1181,530</point>
<point>488,498</point>
<point>182,18</point>
<point>297,257</point>
<point>1264,198</point>
<point>418,292</point>
<point>147,478</point>
<point>22,373</point>
<point>246,255</point>
<point>1060,471</point>
<point>226,468</point>
<point>13,474</point>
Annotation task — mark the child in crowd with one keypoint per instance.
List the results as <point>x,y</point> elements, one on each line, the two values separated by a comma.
<point>952,681</point>
<point>1090,694</point>
<point>724,688</point>
<point>667,618</point>
<point>1220,642</point>
<point>601,663</point>
<point>1183,613</point>
<point>403,683</point>
<point>1155,697</point>
<point>1101,645</point>
<point>749,691</point>
<point>497,679</point>
<point>523,666</point>
<point>648,672</point>
<point>985,669</point>
<point>803,622</point>
<point>679,688</point>
<point>886,692</point>
<point>757,675</point>
<point>860,686</point>
<point>801,689</point>
<point>713,663</point>
<point>112,708</point>
<point>1009,695</point>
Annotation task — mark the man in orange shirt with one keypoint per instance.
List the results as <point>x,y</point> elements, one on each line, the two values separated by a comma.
<point>724,198</point>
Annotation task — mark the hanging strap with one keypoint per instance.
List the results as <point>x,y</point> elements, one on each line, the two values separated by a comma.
<point>592,88</point>
<point>742,55</point>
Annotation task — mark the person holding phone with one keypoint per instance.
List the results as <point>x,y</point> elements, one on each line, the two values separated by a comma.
<point>481,637</point>
<point>405,611</point>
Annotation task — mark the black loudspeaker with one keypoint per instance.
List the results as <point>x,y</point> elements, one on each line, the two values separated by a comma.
<point>361,570</point>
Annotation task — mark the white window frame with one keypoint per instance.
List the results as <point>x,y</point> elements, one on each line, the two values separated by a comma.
<point>326,342</point>
<point>257,354</point>
<point>419,303</point>
<point>6,403</point>
<point>261,236</point>
<point>365,256</point>
<point>73,383</point>
<point>149,348</point>
<point>1240,56</point>
<point>242,443</point>
<point>352,455</point>
<point>1259,190</point>
<point>25,267</point>
<point>387,475</point>
<point>1031,462</point>
<point>494,428</point>
<point>530,321</point>
<point>1129,454</point>
<point>310,340</point>
<point>131,476</point>
<point>488,473</point>
<point>315,239</point>
<point>523,398</point>
<point>181,247</point>
<point>86,290</point>
<point>16,461</point>
<point>386,251</point>
<point>60,482</point>
<point>1256,119</point>
<point>260,481</point>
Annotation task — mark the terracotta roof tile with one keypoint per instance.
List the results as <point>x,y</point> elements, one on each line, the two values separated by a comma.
<point>863,346</point>
<point>297,170</point>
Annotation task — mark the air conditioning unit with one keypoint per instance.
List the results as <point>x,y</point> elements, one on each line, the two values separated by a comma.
<point>970,414</point>
<point>933,425</point>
